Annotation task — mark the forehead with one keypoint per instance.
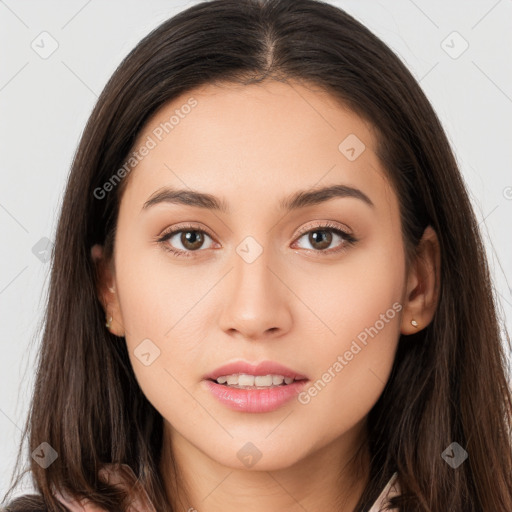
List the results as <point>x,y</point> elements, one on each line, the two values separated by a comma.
<point>266,140</point>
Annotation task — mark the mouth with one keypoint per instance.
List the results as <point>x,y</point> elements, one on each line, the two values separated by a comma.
<point>254,388</point>
<point>244,375</point>
<point>246,381</point>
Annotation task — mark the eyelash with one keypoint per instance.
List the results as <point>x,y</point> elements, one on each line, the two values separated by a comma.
<point>349,240</point>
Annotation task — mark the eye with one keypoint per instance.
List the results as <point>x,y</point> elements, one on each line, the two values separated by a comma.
<point>322,236</point>
<point>190,237</point>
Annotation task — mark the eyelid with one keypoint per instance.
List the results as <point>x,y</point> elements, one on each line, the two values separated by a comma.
<point>346,234</point>
<point>305,229</point>
<point>344,231</point>
<point>184,226</point>
<point>325,224</point>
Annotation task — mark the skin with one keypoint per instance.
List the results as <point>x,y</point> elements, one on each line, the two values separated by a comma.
<point>252,146</point>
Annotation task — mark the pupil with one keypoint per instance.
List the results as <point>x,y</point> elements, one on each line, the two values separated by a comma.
<point>191,239</point>
<point>315,239</point>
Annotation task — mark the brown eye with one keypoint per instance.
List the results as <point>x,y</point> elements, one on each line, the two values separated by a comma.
<point>192,240</point>
<point>185,241</point>
<point>320,239</point>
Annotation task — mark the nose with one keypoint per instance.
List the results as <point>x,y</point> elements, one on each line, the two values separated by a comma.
<point>258,302</point>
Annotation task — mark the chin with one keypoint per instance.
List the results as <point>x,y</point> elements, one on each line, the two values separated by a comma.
<point>258,456</point>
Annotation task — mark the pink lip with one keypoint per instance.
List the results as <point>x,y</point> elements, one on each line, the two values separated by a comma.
<point>255,400</point>
<point>263,368</point>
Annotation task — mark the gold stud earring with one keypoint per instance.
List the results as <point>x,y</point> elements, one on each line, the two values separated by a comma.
<point>414,323</point>
<point>108,324</point>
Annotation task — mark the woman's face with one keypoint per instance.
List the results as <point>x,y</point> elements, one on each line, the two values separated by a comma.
<point>260,278</point>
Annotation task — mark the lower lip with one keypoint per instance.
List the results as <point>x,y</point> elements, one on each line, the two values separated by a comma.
<point>255,400</point>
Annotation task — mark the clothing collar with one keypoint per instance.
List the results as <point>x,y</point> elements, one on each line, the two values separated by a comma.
<point>142,503</point>
<point>391,490</point>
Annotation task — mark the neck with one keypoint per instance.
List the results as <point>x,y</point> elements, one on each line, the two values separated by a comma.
<point>330,475</point>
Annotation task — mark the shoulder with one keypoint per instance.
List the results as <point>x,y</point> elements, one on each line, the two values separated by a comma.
<point>36,503</point>
<point>391,490</point>
<point>118,475</point>
<point>77,506</point>
<point>26,503</point>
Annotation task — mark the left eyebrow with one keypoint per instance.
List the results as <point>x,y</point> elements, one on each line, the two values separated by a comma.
<point>311,197</point>
<point>299,199</point>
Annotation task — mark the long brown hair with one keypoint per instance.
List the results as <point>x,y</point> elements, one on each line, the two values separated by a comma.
<point>449,380</point>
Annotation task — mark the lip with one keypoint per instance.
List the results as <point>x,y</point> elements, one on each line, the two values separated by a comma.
<point>263,368</point>
<point>255,400</point>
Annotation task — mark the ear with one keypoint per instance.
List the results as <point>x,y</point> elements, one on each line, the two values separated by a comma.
<point>107,290</point>
<point>423,284</point>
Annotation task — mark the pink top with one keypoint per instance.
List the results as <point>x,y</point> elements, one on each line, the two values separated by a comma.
<point>391,490</point>
<point>142,503</point>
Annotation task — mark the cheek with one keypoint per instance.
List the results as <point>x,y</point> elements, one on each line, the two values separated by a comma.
<point>159,294</point>
<point>352,294</point>
<point>360,304</point>
<point>163,340</point>
<point>164,322</point>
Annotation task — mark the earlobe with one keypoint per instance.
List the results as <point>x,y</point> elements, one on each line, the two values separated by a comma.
<point>423,284</point>
<point>96,253</point>
<point>106,290</point>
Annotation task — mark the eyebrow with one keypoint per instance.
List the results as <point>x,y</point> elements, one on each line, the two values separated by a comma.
<point>299,199</point>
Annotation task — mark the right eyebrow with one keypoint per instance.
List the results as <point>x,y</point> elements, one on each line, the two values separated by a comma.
<point>186,197</point>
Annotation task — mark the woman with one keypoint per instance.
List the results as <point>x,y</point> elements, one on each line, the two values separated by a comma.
<point>269,290</point>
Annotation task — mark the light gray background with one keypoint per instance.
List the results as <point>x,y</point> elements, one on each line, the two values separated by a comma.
<point>45,104</point>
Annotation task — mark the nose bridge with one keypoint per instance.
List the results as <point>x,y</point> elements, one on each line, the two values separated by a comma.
<point>257,300</point>
<point>252,274</point>
<point>252,277</point>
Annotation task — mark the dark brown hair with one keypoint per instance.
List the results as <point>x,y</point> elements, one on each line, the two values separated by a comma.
<point>449,380</point>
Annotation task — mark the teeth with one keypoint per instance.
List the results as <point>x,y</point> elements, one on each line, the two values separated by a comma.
<point>265,380</point>
<point>277,379</point>
<point>232,379</point>
<point>244,380</point>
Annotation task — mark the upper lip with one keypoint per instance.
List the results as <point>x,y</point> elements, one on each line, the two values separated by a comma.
<point>263,368</point>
